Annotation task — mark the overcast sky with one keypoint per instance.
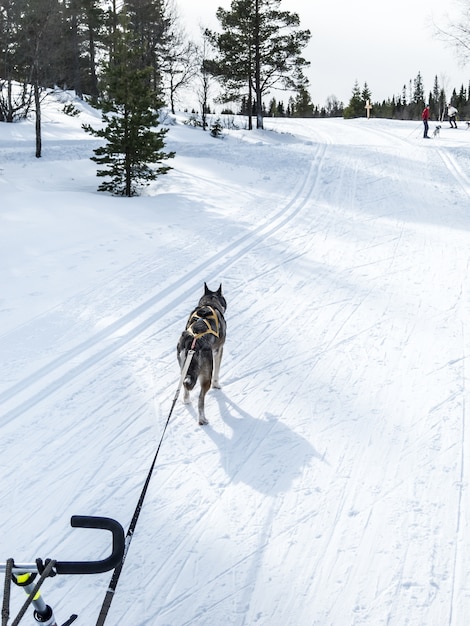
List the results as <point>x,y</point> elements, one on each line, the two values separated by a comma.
<point>382,43</point>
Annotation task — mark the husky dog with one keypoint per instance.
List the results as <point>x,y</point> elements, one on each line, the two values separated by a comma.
<point>205,334</point>
<point>437,131</point>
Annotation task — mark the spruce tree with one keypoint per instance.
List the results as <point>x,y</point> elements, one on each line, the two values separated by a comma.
<point>129,113</point>
<point>356,104</point>
<point>366,94</point>
<point>418,99</point>
<point>303,104</point>
<point>435,109</point>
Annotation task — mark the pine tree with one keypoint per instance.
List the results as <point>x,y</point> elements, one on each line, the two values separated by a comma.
<point>84,24</point>
<point>216,128</point>
<point>129,116</point>
<point>13,105</point>
<point>40,38</point>
<point>303,106</point>
<point>272,110</point>
<point>258,49</point>
<point>148,23</point>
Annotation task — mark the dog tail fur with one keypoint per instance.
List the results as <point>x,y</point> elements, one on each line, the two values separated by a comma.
<point>192,374</point>
<point>190,381</point>
<point>199,364</point>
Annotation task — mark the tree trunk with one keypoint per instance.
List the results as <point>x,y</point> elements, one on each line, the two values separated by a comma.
<point>10,103</point>
<point>127,155</point>
<point>250,90</point>
<point>77,79</point>
<point>172,95</point>
<point>204,100</point>
<point>250,104</point>
<point>37,105</point>
<point>259,104</point>
<point>94,79</point>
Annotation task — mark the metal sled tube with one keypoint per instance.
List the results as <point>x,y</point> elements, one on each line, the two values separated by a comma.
<point>21,568</point>
<point>43,612</point>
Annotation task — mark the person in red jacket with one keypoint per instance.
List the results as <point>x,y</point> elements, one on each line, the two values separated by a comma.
<point>425,117</point>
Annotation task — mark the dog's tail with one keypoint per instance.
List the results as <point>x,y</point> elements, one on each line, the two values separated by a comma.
<point>189,382</point>
<point>200,366</point>
<point>192,374</point>
<point>190,379</point>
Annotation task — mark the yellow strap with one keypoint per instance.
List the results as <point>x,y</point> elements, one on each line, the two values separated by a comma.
<point>209,329</point>
<point>23,579</point>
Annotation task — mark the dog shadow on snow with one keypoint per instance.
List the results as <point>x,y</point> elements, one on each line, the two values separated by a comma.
<point>262,453</point>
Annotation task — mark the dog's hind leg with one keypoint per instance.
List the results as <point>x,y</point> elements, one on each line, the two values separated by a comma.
<point>191,375</point>
<point>217,361</point>
<point>205,377</point>
<point>205,386</point>
<point>186,396</point>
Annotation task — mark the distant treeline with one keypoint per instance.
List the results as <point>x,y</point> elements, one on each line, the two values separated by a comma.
<point>406,106</point>
<point>65,43</point>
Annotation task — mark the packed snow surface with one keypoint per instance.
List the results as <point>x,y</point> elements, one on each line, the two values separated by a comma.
<point>331,487</point>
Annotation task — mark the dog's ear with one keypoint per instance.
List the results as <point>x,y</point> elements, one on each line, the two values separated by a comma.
<point>206,289</point>
<point>219,290</point>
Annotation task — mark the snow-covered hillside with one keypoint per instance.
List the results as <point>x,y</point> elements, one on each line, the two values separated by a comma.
<point>331,487</point>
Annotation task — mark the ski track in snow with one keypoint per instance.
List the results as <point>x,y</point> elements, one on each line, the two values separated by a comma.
<point>331,485</point>
<point>131,325</point>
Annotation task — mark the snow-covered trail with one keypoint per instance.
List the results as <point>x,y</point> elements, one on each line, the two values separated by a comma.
<point>366,355</point>
<point>331,486</point>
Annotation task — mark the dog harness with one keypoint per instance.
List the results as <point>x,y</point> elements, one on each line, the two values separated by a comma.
<point>200,322</point>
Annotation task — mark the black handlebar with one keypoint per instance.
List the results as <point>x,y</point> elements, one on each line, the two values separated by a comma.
<point>95,567</point>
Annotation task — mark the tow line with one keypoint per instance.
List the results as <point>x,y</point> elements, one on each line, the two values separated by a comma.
<point>130,533</point>
<point>24,574</point>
